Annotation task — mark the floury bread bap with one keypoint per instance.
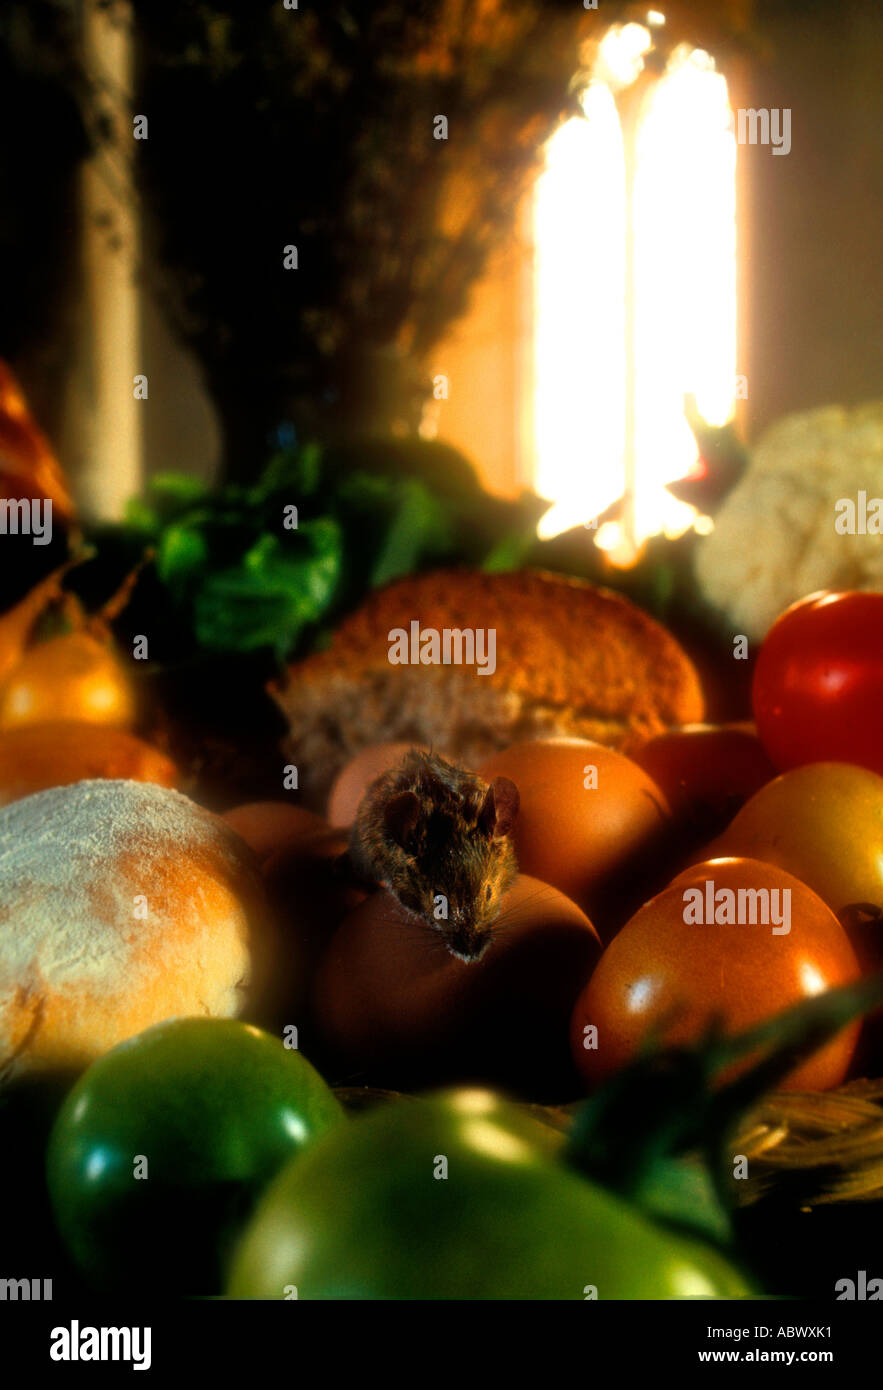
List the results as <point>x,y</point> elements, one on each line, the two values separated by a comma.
<point>121,904</point>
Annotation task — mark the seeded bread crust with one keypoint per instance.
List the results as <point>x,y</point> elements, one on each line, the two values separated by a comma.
<point>571,659</point>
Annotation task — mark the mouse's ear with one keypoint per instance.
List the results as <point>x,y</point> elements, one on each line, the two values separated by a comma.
<point>496,816</point>
<point>400,817</point>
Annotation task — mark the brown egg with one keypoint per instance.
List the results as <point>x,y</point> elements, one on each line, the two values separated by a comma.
<point>590,821</point>
<point>395,1008</point>
<point>356,776</point>
<point>310,891</point>
<point>56,754</point>
<point>681,963</point>
<point>268,826</point>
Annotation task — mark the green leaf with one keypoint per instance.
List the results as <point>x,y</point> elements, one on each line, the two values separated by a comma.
<point>671,1100</point>
<point>296,472</point>
<point>173,494</point>
<point>182,487</point>
<point>419,526</point>
<point>440,468</point>
<point>369,492</point>
<point>682,1192</point>
<point>141,517</point>
<point>181,555</point>
<point>273,593</point>
<point>509,552</point>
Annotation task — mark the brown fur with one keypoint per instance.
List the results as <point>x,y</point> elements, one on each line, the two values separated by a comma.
<point>428,828</point>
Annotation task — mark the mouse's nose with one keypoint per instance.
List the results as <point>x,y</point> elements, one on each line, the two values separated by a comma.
<point>467,944</point>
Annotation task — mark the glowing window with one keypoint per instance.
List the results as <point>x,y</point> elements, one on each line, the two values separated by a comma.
<point>635,275</point>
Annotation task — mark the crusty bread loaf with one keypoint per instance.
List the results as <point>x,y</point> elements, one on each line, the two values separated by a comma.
<point>570,659</point>
<point>121,904</point>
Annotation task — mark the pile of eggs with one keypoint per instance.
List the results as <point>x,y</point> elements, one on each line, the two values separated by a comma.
<point>593,948</point>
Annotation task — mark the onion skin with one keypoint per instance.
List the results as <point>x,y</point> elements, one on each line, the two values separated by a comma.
<point>17,625</point>
<point>28,466</point>
<point>74,676</point>
<point>59,753</point>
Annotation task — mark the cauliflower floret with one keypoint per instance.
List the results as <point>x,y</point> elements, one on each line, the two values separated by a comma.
<point>774,539</point>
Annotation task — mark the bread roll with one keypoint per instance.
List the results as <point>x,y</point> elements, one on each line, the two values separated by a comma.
<point>121,904</point>
<point>570,659</point>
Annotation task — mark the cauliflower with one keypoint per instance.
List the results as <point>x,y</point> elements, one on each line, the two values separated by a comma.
<point>774,538</point>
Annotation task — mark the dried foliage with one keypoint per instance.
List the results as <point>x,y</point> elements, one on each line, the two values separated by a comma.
<point>44,139</point>
<point>315,128</point>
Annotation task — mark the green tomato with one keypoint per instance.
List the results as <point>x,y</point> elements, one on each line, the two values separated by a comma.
<point>159,1153</point>
<point>460,1196</point>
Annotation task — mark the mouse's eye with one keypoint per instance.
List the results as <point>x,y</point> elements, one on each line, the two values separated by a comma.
<point>488,893</point>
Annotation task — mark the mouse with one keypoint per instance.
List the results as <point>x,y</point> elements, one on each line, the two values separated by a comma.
<point>438,838</point>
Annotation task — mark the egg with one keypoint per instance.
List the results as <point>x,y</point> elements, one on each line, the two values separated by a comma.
<point>268,826</point>
<point>395,1008</point>
<point>309,893</point>
<point>590,822</point>
<point>357,775</point>
<point>311,889</point>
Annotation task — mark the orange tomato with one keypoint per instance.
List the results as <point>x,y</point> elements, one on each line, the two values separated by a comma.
<point>822,822</point>
<point>668,972</point>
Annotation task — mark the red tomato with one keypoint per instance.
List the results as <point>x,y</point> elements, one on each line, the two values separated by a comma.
<point>707,771</point>
<point>818,684</point>
<point>673,970</point>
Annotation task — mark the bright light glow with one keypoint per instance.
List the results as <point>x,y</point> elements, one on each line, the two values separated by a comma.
<point>639,994</point>
<point>684,239</point>
<point>617,546</point>
<point>690,1282</point>
<point>489,1138</point>
<point>685,278</point>
<point>579,404</point>
<point>295,1125</point>
<point>654,17</point>
<point>474,1101</point>
<point>811,979</point>
<point>621,54</point>
<point>610,535</point>
<point>97,1164</point>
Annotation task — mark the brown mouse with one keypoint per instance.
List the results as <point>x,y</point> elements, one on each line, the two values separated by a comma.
<point>437,837</point>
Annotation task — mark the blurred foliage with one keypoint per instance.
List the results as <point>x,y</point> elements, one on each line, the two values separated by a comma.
<point>235,574</point>
<point>661,1131</point>
<point>310,127</point>
<point>314,128</point>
